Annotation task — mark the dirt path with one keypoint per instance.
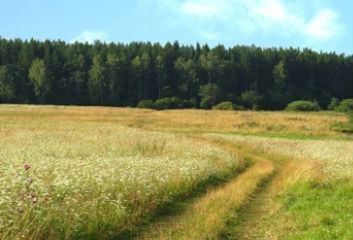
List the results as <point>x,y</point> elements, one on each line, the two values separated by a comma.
<point>207,217</point>
<point>254,219</point>
<point>261,218</point>
<point>244,208</point>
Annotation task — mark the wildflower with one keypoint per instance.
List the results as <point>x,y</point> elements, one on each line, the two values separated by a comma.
<point>34,197</point>
<point>27,166</point>
<point>30,181</point>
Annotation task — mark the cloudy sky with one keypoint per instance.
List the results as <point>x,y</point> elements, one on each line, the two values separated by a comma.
<point>318,24</point>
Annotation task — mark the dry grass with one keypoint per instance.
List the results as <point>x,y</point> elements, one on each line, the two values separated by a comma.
<point>199,121</point>
<point>335,156</point>
<point>95,171</point>
<point>62,177</point>
<point>265,218</point>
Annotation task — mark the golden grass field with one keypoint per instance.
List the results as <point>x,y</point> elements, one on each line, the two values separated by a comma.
<point>108,173</point>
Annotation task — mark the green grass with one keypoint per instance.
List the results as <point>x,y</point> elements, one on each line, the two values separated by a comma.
<point>320,210</point>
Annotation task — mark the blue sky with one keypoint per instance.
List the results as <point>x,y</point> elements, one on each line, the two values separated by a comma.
<point>318,24</point>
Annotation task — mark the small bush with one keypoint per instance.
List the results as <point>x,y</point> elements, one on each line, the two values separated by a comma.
<point>345,105</point>
<point>238,107</point>
<point>177,103</point>
<point>224,106</point>
<point>205,103</point>
<point>250,100</point>
<point>333,104</point>
<point>191,103</point>
<point>303,106</point>
<point>169,103</point>
<point>163,103</point>
<point>147,103</point>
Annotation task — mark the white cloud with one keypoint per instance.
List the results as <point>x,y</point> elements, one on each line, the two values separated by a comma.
<point>306,21</point>
<point>204,8</point>
<point>284,18</point>
<point>324,25</point>
<point>271,9</point>
<point>208,35</point>
<point>90,37</point>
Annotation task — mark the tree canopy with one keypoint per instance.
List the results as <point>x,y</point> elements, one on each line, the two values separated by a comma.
<point>116,74</point>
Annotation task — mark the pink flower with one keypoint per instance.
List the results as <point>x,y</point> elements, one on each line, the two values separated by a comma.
<point>27,166</point>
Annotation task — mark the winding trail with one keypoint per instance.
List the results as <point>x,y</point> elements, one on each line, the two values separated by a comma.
<point>208,216</point>
<point>242,208</point>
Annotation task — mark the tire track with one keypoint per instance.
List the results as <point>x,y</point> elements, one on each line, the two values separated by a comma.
<point>207,217</point>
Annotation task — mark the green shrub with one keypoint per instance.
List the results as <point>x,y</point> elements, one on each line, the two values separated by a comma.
<point>333,104</point>
<point>303,106</point>
<point>170,103</point>
<point>205,103</point>
<point>238,107</point>
<point>177,103</point>
<point>147,103</point>
<point>191,103</point>
<point>250,100</point>
<point>345,105</point>
<point>163,103</point>
<point>224,106</point>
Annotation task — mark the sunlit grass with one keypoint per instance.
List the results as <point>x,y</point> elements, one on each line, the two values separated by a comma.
<point>335,156</point>
<point>207,217</point>
<point>320,210</point>
<point>316,205</point>
<point>195,121</point>
<point>68,179</point>
<point>97,173</point>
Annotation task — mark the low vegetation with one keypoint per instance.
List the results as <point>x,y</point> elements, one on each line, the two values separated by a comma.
<point>320,210</point>
<point>345,127</point>
<point>345,105</point>
<point>303,106</point>
<point>110,173</point>
<point>334,155</point>
<point>314,207</point>
<point>70,179</point>
<point>207,217</point>
<point>224,106</point>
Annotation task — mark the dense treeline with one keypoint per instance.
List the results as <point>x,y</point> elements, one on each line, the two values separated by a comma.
<point>54,72</point>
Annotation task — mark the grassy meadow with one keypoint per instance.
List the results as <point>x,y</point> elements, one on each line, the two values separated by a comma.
<point>119,173</point>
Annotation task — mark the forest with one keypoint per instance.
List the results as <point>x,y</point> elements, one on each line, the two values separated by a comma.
<point>184,76</point>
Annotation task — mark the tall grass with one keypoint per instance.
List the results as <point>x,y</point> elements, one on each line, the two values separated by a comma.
<point>335,156</point>
<point>71,179</point>
<point>95,173</point>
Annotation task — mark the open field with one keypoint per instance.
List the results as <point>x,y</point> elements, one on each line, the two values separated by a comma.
<point>111,173</point>
<point>336,157</point>
<point>282,124</point>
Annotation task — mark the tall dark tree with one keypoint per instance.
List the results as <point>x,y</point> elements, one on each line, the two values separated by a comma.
<point>41,80</point>
<point>97,81</point>
<point>7,85</point>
